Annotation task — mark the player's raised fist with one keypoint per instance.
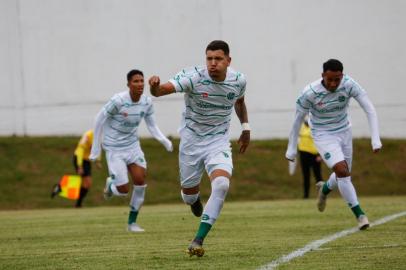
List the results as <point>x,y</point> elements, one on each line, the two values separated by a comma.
<point>154,81</point>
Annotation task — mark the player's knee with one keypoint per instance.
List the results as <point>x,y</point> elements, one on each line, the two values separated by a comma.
<point>123,189</point>
<point>221,184</point>
<point>341,169</point>
<point>189,198</point>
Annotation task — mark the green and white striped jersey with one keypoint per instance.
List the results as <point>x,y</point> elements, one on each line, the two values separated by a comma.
<point>208,104</point>
<point>123,118</point>
<point>329,110</point>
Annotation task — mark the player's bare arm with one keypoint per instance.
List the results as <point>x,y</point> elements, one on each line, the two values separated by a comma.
<point>241,111</point>
<point>157,89</point>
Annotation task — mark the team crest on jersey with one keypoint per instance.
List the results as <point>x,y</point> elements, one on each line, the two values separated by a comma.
<point>205,95</point>
<point>230,96</point>
<point>341,98</point>
<point>327,155</point>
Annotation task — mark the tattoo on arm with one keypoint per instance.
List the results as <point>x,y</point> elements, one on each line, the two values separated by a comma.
<point>241,110</point>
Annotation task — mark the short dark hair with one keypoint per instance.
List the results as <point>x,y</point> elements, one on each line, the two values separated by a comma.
<point>133,72</point>
<point>218,45</point>
<point>333,65</point>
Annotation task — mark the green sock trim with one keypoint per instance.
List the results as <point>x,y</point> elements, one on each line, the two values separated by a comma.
<point>204,229</point>
<point>325,189</point>
<point>132,217</point>
<point>357,211</point>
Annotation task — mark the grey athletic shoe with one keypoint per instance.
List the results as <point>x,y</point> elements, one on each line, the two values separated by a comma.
<point>363,222</point>
<point>321,198</point>
<point>197,208</point>
<point>196,248</point>
<point>107,193</point>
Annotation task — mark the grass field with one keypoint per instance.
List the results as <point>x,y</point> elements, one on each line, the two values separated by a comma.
<point>247,235</point>
<point>30,166</point>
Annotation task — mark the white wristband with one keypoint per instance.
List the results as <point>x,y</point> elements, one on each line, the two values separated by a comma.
<point>245,126</point>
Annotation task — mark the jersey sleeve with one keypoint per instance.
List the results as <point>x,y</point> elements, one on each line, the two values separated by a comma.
<point>150,107</point>
<point>303,102</point>
<point>113,106</point>
<point>355,89</point>
<point>243,84</point>
<point>184,83</point>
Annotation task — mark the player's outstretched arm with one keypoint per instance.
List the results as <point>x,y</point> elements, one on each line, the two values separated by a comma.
<point>157,89</point>
<point>157,134</point>
<point>98,131</point>
<point>370,111</point>
<point>242,113</point>
<point>294,136</point>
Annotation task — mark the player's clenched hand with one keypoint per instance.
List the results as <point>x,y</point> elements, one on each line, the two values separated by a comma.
<point>244,141</point>
<point>154,81</point>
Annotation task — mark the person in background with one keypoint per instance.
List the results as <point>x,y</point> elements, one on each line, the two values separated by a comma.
<point>326,101</point>
<point>82,164</point>
<point>116,129</point>
<point>309,157</point>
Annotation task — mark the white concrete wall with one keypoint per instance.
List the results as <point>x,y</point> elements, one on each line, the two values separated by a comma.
<point>61,60</point>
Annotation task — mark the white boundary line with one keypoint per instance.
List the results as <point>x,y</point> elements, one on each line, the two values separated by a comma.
<point>316,244</point>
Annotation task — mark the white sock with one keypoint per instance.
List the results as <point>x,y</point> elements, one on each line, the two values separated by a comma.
<point>347,191</point>
<point>219,189</point>
<point>116,192</point>
<point>189,198</point>
<point>332,181</point>
<point>137,198</point>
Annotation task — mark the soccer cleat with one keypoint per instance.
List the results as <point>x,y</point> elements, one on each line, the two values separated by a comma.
<point>197,208</point>
<point>321,198</point>
<point>363,222</point>
<point>133,227</point>
<point>56,189</point>
<point>107,193</point>
<point>196,248</point>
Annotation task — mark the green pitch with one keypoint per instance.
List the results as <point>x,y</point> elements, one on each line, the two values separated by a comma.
<point>247,235</point>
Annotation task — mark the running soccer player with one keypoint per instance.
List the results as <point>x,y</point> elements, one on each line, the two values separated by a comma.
<point>118,122</point>
<point>210,94</point>
<point>326,101</point>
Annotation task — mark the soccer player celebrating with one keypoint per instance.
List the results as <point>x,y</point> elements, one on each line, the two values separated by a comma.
<point>210,94</point>
<point>326,101</point>
<point>118,122</point>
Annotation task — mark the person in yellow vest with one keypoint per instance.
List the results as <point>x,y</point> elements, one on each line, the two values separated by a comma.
<point>309,157</point>
<point>82,164</point>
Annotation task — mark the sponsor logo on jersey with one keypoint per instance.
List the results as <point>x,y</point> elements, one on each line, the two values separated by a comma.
<point>125,114</point>
<point>130,124</point>
<point>205,95</point>
<point>230,96</point>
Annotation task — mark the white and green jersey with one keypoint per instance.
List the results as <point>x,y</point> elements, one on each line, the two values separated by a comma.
<point>208,104</point>
<point>329,110</point>
<point>120,130</point>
